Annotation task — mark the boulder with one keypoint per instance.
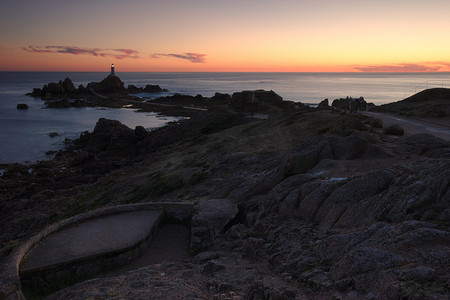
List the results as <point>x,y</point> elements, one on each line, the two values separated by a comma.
<point>37,92</point>
<point>350,104</point>
<point>250,100</point>
<point>376,123</point>
<point>210,219</point>
<point>22,106</point>
<point>219,98</point>
<point>394,130</point>
<point>113,138</point>
<point>111,85</point>
<point>324,104</point>
<point>141,132</point>
<point>150,88</point>
<point>68,87</point>
<point>132,89</point>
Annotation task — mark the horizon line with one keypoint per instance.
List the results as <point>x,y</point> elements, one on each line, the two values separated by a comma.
<point>356,72</point>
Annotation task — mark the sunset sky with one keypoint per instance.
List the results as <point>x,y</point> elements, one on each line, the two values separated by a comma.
<point>231,35</point>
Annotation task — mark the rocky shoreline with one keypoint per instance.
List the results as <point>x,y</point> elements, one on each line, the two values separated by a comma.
<point>329,205</point>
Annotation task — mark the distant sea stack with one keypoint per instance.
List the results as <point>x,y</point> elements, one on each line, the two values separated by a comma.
<point>109,87</point>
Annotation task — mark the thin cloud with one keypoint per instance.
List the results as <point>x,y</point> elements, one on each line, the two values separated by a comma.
<point>404,67</point>
<point>192,57</point>
<point>116,53</point>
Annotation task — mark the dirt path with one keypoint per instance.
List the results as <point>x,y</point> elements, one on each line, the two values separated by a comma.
<point>413,126</point>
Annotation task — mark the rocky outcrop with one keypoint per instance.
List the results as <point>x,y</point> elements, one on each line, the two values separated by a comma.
<point>22,106</point>
<point>61,90</point>
<point>66,103</point>
<point>220,99</point>
<point>254,100</point>
<point>394,130</point>
<point>210,220</point>
<point>132,89</point>
<point>432,103</point>
<point>111,85</point>
<point>112,138</point>
<point>376,123</point>
<point>324,104</point>
<point>350,104</point>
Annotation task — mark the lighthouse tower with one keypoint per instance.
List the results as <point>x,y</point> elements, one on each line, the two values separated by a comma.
<point>113,73</point>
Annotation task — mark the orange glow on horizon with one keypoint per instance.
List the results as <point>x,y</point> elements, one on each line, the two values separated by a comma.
<point>18,61</point>
<point>273,36</point>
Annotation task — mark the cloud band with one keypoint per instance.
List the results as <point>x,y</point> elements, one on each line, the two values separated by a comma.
<point>115,53</point>
<point>404,67</point>
<point>192,57</point>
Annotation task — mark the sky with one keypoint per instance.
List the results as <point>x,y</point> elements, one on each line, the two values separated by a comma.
<point>225,36</point>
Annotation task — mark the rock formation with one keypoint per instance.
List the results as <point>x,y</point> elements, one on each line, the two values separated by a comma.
<point>434,103</point>
<point>350,104</point>
<point>324,104</point>
<point>254,100</point>
<point>394,130</point>
<point>22,106</point>
<point>61,90</point>
<point>111,86</point>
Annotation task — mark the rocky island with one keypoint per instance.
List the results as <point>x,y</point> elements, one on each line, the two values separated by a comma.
<point>302,203</point>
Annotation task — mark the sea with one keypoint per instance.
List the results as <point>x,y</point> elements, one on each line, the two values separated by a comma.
<point>25,134</point>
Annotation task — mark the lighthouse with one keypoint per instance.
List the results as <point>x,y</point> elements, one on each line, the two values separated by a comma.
<point>113,73</point>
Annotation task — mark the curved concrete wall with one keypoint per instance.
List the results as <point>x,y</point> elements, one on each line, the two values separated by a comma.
<point>10,287</point>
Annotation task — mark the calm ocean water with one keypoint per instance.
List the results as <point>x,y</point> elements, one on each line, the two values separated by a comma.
<point>24,134</point>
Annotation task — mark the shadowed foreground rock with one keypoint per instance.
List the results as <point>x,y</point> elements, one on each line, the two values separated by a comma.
<point>319,206</point>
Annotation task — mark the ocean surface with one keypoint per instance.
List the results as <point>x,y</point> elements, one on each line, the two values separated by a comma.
<point>24,133</point>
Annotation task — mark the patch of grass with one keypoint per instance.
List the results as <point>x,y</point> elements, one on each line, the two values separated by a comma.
<point>164,185</point>
<point>9,247</point>
<point>137,194</point>
<point>94,198</point>
<point>158,186</point>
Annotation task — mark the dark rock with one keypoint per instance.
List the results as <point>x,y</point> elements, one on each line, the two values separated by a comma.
<point>58,104</point>
<point>37,92</point>
<point>67,86</point>
<point>376,123</point>
<point>149,88</point>
<point>110,85</point>
<point>132,89</point>
<point>394,130</point>
<point>110,138</point>
<point>203,257</point>
<point>350,147</point>
<point>350,104</point>
<point>365,259</point>
<point>22,106</point>
<point>53,134</point>
<point>140,132</point>
<point>213,266</point>
<point>80,158</point>
<point>427,103</point>
<point>324,104</point>
<point>210,220</point>
<point>220,99</point>
<point>252,100</point>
